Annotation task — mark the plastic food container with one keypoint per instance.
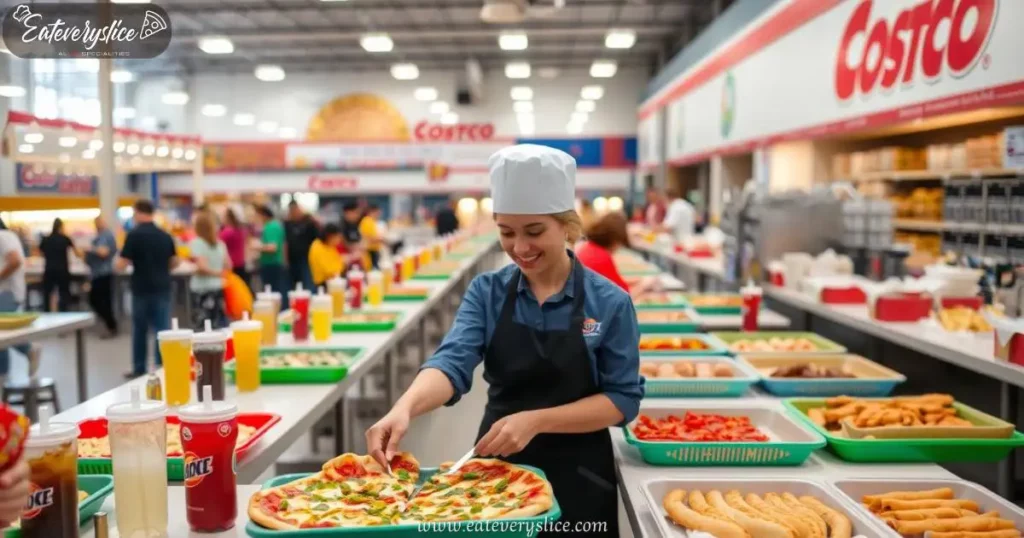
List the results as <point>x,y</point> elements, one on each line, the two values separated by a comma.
<point>854,490</point>
<point>657,321</point>
<point>823,344</point>
<point>872,379</point>
<point>716,303</point>
<point>791,442</point>
<point>439,270</point>
<point>665,345</point>
<point>907,450</point>
<point>303,374</point>
<point>661,301</point>
<point>346,323</point>
<point>724,387</point>
<point>654,492</point>
<point>519,527</point>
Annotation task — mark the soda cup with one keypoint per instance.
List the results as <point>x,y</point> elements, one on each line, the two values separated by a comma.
<point>321,311</point>
<point>138,446</point>
<point>210,347</point>
<point>336,288</point>
<point>355,289</point>
<point>375,288</point>
<point>272,296</point>
<point>208,433</point>
<point>300,313</point>
<point>264,312</point>
<point>52,454</point>
<point>751,305</point>
<point>246,335</point>
<point>176,351</point>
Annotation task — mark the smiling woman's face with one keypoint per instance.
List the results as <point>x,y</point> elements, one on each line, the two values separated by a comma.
<point>534,242</point>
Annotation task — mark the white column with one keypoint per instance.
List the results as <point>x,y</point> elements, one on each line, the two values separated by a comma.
<point>197,178</point>
<point>106,189</point>
<point>715,186</point>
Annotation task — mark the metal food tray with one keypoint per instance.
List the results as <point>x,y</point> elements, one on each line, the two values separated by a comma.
<point>854,489</point>
<point>791,442</point>
<point>693,322</point>
<point>724,387</point>
<point>714,345</point>
<point>515,527</point>
<point>872,379</point>
<point>824,344</point>
<point>655,491</point>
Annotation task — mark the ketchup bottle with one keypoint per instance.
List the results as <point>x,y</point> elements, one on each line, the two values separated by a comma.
<point>355,289</point>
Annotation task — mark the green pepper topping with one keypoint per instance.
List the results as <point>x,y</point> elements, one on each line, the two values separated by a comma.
<point>476,509</point>
<point>283,505</point>
<point>501,485</point>
<point>320,507</point>
<point>403,474</point>
<point>396,487</point>
<point>470,476</point>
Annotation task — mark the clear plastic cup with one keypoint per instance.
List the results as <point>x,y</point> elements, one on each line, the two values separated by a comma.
<point>176,352</point>
<point>246,335</point>
<point>321,313</point>
<point>266,313</point>
<point>138,449</point>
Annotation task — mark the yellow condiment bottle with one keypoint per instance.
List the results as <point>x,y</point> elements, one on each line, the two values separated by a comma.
<point>375,288</point>
<point>265,312</point>
<point>337,288</point>
<point>176,353</point>
<point>321,310</point>
<point>246,335</point>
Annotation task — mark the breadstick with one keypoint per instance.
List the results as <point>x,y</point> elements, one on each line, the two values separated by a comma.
<point>900,504</point>
<point>811,522</point>
<point>803,529</point>
<point>735,500</point>
<point>817,416</point>
<point>927,513</point>
<point>758,528</point>
<point>839,525</point>
<point>978,523</point>
<point>1005,533</point>
<point>839,401</point>
<point>685,517</point>
<point>790,501</point>
<point>700,505</point>
<point>940,493</point>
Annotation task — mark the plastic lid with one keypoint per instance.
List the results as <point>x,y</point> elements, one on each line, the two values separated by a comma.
<point>210,336</point>
<point>336,283</point>
<point>246,324</point>
<point>136,410</point>
<point>376,275</point>
<point>208,410</point>
<point>322,302</point>
<point>174,333</point>
<point>47,434</point>
<point>750,289</point>
<point>268,295</point>
<point>262,304</point>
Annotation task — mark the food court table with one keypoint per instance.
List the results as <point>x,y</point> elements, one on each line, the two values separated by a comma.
<point>48,325</point>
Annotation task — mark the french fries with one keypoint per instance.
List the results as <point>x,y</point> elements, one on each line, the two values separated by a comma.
<point>926,410</point>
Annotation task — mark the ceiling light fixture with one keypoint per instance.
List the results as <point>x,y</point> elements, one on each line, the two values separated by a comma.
<point>269,73</point>
<point>592,93</point>
<point>10,90</point>
<point>439,107</point>
<point>585,106</point>
<point>517,70</point>
<point>548,72</point>
<point>520,107</point>
<point>68,141</point>
<point>34,137</point>
<point>425,94</point>
<point>214,110</point>
<point>243,120</point>
<point>622,38</point>
<point>267,127</point>
<point>95,144</point>
<point>603,68</point>
<point>26,148</point>
<point>513,40</point>
<point>405,71</point>
<point>580,117</point>
<point>175,98</point>
<point>521,93</point>
<point>574,128</point>
<point>121,76</point>
<point>216,45</point>
<point>376,42</point>
<point>449,118</point>
<point>163,151</point>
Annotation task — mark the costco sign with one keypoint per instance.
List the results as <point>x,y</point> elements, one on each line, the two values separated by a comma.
<point>463,132</point>
<point>930,37</point>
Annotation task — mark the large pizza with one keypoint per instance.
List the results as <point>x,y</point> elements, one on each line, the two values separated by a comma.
<point>353,490</point>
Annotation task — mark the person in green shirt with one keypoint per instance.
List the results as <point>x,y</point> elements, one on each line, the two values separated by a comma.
<point>272,270</point>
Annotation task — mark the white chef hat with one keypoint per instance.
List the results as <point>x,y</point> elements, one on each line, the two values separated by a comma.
<point>528,179</point>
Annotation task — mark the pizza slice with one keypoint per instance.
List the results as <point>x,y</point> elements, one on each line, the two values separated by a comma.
<point>482,489</point>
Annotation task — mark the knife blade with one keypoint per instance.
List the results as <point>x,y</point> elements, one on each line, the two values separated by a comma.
<point>462,461</point>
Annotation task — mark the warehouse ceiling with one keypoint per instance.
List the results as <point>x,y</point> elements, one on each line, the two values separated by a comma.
<point>315,35</point>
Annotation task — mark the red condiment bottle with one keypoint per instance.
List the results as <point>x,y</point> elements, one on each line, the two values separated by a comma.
<point>355,289</point>
<point>208,433</point>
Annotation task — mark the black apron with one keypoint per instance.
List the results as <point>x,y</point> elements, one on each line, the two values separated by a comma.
<point>531,369</point>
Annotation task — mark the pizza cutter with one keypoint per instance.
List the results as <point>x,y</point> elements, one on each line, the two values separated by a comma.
<point>462,461</point>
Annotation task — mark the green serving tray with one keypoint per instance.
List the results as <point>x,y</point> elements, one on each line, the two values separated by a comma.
<point>98,486</point>
<point>513,527</point>
<point>721,310</point>
<point>910,450</point>
<point>431,276</point>
<point>338,326</point>
<point>298,374</point>
<point>824,344</point>
<point>693,325</point>
<point>677,301</point>
<point>650,271</point>
<point>400,298</point>
<point>715,346</point>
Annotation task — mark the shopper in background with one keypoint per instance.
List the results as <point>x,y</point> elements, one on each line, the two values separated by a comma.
<point>325,261</point>
<point>56,271</point>
<point>272,271</point>
<point>681,216</point>
<point>654,211</point>
<point>447,221</point>
<point>233,235</point>
<point>560,346</point>
<point>206,287</point>
<point>353,239</point>
<point>300,231</point>
<point>587,214</point>
<point>370,233</point>
<point>100,258</point>
<point>605,236</point>
<point>152,254</point>
<point>12,297</point>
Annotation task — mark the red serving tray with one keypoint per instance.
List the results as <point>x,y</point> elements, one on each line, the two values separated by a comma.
<point>843,296</point>
<point>903,307</point>
<point>974,303</point>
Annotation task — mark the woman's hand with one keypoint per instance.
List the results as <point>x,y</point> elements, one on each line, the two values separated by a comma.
<point>13,492</point>
<point>510,435</point>
<point>382,438</point>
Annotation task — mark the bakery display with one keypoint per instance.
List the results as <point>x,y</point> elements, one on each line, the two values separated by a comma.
<point>684,369</point>
<point>703,427</point>
<point>825,375</point>
<point>731,514</point>
<point>99,447</point>
<point>938,512</point>
<point>355,491</point>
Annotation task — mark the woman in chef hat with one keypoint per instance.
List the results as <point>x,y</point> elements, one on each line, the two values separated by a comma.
<point>559,343</point>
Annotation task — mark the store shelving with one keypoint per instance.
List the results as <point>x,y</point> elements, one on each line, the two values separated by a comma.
<point>921,225</point>
<point>936,175</point>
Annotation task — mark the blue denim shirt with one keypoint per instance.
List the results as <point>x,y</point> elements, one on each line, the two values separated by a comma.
<point>102,266</point>
<point>613,343</point>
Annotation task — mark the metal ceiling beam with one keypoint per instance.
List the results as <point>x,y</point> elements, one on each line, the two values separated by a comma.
<point>206,8</point>
<point>535,50</point>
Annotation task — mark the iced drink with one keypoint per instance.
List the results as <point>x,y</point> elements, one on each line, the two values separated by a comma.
<point>438,250</point>
<point>300,314</point>
<point>208,434</point>
<point>321,314</point>
<point>336,288</point>
<point>265,313</point>
<point>138,446</point>
<point>751,305</point>
<point>52,454</point>
<point>176,351</point>
<point>209,347</point>
<point>375,288</point>
<point>246,335</point>
<point>272,296</point>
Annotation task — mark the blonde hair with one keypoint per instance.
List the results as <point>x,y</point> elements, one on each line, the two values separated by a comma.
<point>572,223</point>
<point>206,228</point>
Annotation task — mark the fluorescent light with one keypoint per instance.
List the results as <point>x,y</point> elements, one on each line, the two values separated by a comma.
<point>67,141</point>
<point>521,93</point>
<point>585,106</point>
<point>405,71</point>
<point>439,107</point>
<point>119,146</point>
<point>527,129</point>
<point>190,154</point>
<point>548,72</point>
<point>574,128</point>
<point>526,122</point>
<point>26,148</point>
<point>378,42</point>
<point>449,118</point>
<point>214,110</point>
<point>95,144</point>
<point>88,154</point>
<point>132,148</point>
<point>163,151</point>
<point>620,39</point>
<point>580,117</point>
<point>124,113</point>
<point>513,41</point>
<point>121,76</point>
<point>425,94</point>
<point>243,120</point>
<point>517,70</point>
<point>592,93</point>
<point>287,132</point>
<point>175,98</point>
<point>216,45</point>
<point>603,68</point>
<point>269,73</point>
<point>34,138</point>
<point>177,152</point>
<point>267,127</point>
<point>522,106</point>
<point>10,90</point>
<point>148,150</point>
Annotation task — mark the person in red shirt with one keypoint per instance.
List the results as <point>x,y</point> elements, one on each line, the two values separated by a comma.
<point>604,236</point>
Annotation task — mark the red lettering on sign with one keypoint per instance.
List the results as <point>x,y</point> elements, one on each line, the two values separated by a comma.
<point>892,48</point>
<point>322,184</point>
<point>467,132</point>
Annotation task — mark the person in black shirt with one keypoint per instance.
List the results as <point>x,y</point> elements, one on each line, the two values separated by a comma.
<point>446,221</point>
<point>56,273</point>
<point>300,231</point>
<point>350,217</point>
<point>152,253</point>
